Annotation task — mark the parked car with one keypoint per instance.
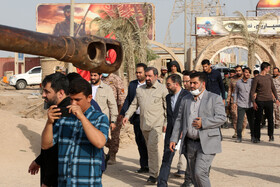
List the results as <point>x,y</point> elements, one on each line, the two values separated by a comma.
<point>31,77</point>
<point>223,70</point>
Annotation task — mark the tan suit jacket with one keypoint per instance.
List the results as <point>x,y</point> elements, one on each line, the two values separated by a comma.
<point>107,102</point>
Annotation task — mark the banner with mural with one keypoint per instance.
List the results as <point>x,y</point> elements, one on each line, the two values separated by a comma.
<point>55,18</point>
<point>211,26</point>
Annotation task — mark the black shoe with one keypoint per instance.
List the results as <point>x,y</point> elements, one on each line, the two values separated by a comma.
<point>179,173</point>
<point>143,170</point>
<point>187,184</point>
<point>256,140</point>
<point>239,140</point>
<point>152,180</point>
<point>271,138</point>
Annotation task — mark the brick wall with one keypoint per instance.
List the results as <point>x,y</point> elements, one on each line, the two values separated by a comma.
<point>7,64</point>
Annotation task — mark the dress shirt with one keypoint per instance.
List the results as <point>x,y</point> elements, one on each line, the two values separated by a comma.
<point>174,98</point>
<point>192,132</point>
<point>79,162</point>
<point>138,85</point>
<point>152,104</point>
<point>242,93</point>
<point>94,90</point>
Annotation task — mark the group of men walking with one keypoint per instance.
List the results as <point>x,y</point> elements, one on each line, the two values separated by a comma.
<point>193,115</point>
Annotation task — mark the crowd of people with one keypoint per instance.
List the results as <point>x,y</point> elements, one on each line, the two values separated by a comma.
<point>189,107</point>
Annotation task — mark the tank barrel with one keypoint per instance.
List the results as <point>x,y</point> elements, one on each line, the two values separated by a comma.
<point>87,53</point>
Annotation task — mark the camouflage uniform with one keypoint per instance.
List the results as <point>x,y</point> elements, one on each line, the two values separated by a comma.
<point>276,109</point>
<point>230,101</point>
<point>116,83</point>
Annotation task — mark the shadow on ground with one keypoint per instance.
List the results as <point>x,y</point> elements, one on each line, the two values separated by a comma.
<point>33,137</point>
<point>234,173</point>
<point>129,176</point>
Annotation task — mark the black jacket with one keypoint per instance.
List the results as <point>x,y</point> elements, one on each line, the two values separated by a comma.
<point>172,115</point>
<point>131,92</point>
<point>48,159</point>
<point>215,83</point>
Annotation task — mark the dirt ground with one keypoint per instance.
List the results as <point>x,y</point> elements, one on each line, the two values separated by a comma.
<point>22,121</point>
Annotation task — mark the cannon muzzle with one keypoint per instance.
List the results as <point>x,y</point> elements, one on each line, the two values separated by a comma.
<point>87,53</point>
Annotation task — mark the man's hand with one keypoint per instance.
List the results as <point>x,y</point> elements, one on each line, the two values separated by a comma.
<point>163,129</point>
<point>234,106</point>
<point>172,146</point>
<point>124,121</point>
<point>224,101</point>
<point>113,126</point>
<point>119,119</point>
<point>76,110</point>
<point>33,168</point>
<point>53,114</point>
<point>277,102</point>
<point>197,123</point>
<point>255,106</point>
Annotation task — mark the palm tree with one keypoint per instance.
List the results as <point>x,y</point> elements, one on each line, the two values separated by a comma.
<point>250,37</point>
<point>134,37</point>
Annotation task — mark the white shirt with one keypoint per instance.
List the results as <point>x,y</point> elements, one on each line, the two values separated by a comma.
<point>139,84</point>
<point>192,132</point>
<point>174,99</point>
<point>94,90</point>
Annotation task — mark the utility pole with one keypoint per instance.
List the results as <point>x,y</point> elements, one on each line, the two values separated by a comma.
<point>191,9</point>
<point>72,10</point>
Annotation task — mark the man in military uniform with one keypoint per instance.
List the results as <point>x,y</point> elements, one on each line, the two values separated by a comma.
<point>276,112</point>
<point>63,28</point>
<point>163,75</point>
<point>116,83</point>
<point>230,99</point>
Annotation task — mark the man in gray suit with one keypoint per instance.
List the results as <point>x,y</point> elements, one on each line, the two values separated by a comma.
<point>201,138</point>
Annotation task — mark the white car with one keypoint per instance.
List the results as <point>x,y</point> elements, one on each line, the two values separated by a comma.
<point>31,77</point>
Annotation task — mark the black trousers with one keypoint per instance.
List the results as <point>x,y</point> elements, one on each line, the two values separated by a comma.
<point>267,107</point>
<point>240,118</point>
<point>140,141</point>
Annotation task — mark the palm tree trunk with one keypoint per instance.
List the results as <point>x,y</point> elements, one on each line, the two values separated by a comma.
<point>251,56</point>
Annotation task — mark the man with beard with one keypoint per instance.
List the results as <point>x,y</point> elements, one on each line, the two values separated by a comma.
<point>182,163</point>
<point>163,75</point>
<point>244,104</point>
<point>173,100</point>
<point>63,28</point>
<point>199,119</point>
<point>135,118</point>
<point>186,80</point>
<point>117,85</point>
<point>262,92</point>
<point>55,91</point>
<point>151,99</point>
<point>80,138</point>
<point>276,109</point>
<point>104,96</point>
<point>230,99</point>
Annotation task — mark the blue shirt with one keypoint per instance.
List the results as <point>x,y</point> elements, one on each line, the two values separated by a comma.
<point>79,162</point>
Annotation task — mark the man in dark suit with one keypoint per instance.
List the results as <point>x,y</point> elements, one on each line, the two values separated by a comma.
<point>173,100</point>
<point>135,119</point>
<point>198,122</point>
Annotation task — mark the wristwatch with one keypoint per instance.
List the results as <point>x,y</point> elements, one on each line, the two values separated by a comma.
<point>112,121</point>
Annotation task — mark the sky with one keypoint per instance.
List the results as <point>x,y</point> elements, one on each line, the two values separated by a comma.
<point>22,14</point>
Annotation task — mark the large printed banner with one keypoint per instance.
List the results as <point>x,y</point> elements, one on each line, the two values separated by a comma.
<point>209,26</point>
<point>55,18</point>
